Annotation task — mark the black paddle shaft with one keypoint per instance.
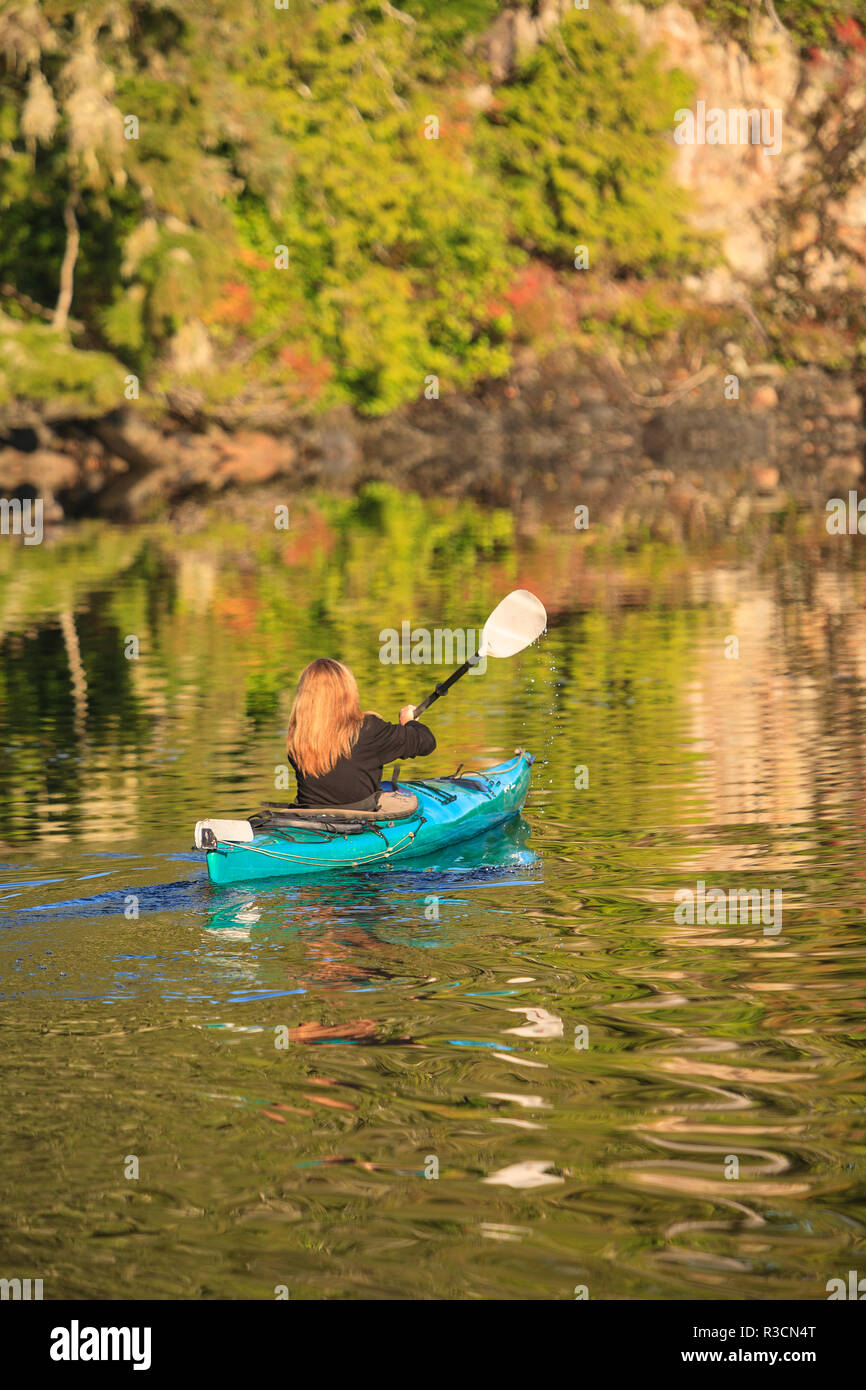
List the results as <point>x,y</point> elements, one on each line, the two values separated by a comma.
<point>444,686</point>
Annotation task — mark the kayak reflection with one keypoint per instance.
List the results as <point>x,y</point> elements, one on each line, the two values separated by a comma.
<point>350,925</point>
<point>501,851</point>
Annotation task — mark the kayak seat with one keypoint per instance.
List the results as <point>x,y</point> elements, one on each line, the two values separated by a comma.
<point>386,806</point>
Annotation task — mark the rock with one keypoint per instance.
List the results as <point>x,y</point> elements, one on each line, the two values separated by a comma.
<point>766,478</point>
<point>253,457</point>
<point>765,398</point>
<point>191,350</point>
<point>806,232</point>
<point>844,466</point>
<point>850,408</point>
<point>516,32</point>
<point>736,360</point>
<point>43,470</point>
<point>733,185</point>
<point>480,97</point>
<point>341,453</point>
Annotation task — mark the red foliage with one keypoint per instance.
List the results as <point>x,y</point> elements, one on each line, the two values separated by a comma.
<point>235,304</point>
<point>528,286</point>
<point>236,612</point>
<point>309,377</point>
<point>247,256</point>
<point>314,538</point>
<point>456,129</point>
<point>849,33</point>
<point>542,303</point>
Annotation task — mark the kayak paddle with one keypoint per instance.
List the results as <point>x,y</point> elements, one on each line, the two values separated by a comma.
<point>515,622</point>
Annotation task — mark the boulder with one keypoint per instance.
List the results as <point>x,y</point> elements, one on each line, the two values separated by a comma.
<point>250,457</point>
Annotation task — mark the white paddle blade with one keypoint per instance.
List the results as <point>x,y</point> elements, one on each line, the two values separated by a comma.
<point>518,620</point>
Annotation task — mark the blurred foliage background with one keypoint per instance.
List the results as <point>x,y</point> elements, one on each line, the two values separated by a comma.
<point>155,156</point>
<point>330,202</point>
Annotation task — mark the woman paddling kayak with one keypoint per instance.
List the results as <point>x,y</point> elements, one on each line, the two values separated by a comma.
<point>337,750</point>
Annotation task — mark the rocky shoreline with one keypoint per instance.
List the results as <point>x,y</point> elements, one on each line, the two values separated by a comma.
<point>679,450</point>
<point>684,455</point>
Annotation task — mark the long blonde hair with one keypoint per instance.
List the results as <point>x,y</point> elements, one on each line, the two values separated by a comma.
<point>325,718</point>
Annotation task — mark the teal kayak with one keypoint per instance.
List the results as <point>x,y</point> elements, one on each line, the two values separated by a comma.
<point>449,809</point>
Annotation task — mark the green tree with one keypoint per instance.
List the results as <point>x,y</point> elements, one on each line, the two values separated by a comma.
<point>577,141</point>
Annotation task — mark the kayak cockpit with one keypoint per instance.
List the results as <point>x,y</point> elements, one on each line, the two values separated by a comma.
<point>274,817</point>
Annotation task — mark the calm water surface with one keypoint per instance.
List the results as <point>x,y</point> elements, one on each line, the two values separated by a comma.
<point>526,1017</point>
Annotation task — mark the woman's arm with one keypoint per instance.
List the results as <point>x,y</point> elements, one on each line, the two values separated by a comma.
<point>408,739</point>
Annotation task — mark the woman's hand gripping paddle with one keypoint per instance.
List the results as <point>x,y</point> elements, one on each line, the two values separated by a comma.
<point>516,622</point>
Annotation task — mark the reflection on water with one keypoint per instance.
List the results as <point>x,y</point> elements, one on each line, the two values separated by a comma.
<point>355,1086</point>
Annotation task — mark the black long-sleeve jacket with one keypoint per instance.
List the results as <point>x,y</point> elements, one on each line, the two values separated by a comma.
<point>357,777</point>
